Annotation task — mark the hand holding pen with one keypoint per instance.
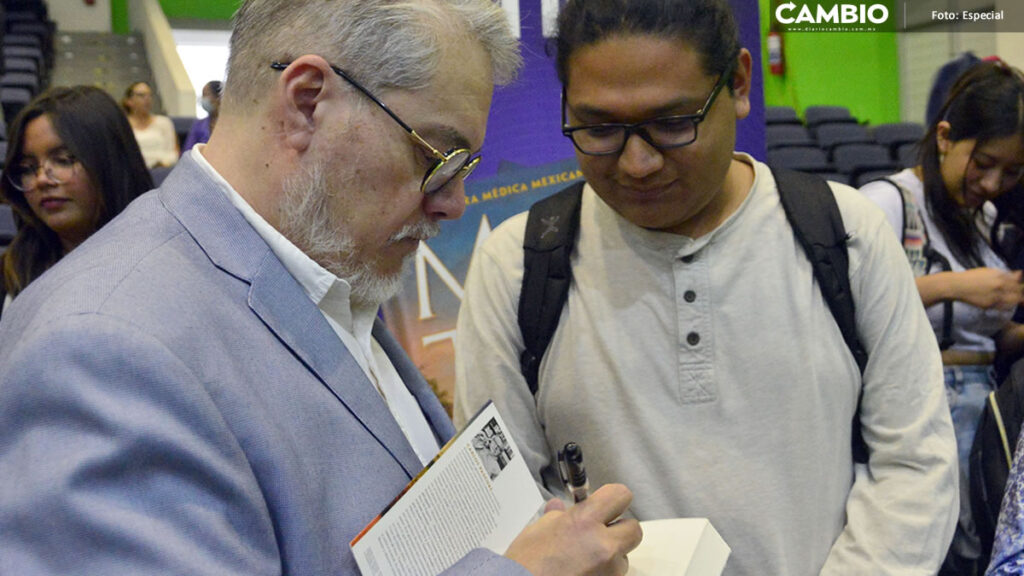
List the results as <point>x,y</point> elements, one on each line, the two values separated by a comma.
<point>586,539</point>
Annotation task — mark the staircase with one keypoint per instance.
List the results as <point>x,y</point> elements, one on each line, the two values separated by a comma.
<point>108,61</point>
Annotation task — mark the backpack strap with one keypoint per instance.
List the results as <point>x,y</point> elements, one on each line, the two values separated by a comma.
<point>997,417</point>
<point>817,224</point>
<point>921,254</point>
<point>551,230</point>
<point>946,338</point>
<point>814,216</point>
<point>913,235</point>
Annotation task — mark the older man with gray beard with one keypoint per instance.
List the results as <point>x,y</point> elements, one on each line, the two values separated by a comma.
<point>202,387</point>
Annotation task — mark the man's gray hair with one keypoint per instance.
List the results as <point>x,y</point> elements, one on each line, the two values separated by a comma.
<point>384,44</point>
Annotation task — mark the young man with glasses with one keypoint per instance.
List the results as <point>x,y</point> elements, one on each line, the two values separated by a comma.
<point>203,388</point>
<point>696,359</point>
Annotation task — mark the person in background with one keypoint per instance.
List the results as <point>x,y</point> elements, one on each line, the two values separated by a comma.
<point>971,156</point>
<point>72,165</point>
<point>203,388</point>
<point>210,101</point>
<point>696,360</point>
<point>154,132</point>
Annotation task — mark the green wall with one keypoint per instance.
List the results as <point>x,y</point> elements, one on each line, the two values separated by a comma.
<point>856,70</point>
<point>191,9</point>
<point>119,17</point>
<point>200,9</point>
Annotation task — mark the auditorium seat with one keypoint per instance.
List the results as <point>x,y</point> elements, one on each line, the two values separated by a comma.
<point>871,175</point>
<point>22,40</point>
<point>835,177</point>
<point>858,159</point>
<point>182,126</point>
<point>780,135</point>
<point>27,52</point>
<point>780,115</point>
<point>831,135</point>
<point>26,65</point>
<point>159,173</point>
<point>894,135</point>
<point>815,115</point>
<point>802,158</point>
<point>25,80</point>
<point>906,154</point>
<point>13,100</point>
<point>7,227</point>
<point>37,28</point>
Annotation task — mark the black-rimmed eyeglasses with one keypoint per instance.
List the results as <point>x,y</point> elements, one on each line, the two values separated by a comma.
<point>455,162</point>
<point>662,133</point>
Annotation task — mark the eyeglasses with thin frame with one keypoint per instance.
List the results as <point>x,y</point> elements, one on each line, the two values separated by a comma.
<point>663,133</point>
<point>455,162</point>
<point>59,168</point>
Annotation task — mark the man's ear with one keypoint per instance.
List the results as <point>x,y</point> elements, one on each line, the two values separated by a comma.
<point>304,87</point>
<point>740,84</point>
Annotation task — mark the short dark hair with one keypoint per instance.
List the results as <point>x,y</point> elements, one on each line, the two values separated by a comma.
<point>216,86</point>
<point>986,103</point>
<point>707,25</point>
<point>97,133</point>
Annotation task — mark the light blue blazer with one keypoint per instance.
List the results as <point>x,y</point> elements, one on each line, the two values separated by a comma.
<point>171,402</point>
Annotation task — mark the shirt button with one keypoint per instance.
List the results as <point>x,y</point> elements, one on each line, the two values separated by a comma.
<point>693,338</point>
<point>690,296</point>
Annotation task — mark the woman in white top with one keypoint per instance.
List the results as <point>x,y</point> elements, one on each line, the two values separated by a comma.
<point>154,132</point>
<point>972,160</point>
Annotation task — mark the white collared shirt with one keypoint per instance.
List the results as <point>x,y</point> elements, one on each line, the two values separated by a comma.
<point>353,325</point>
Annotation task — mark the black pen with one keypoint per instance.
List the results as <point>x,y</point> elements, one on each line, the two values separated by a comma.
<point>574,475</point>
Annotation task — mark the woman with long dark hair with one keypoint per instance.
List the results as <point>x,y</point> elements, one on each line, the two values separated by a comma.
<point>72,164</point>
<point>951,210</point>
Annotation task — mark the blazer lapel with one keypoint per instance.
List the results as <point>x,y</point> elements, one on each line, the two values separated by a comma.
<point>280,303</point>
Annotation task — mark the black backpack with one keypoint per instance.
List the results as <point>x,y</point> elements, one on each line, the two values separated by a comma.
<point>991,458</point>
<point>551,231</point>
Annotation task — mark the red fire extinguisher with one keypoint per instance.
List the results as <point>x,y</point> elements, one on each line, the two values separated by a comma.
<point>776,59</point>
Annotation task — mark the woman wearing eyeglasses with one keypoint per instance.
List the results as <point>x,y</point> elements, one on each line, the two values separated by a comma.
<point>72,165</point>
<point>967,182</point>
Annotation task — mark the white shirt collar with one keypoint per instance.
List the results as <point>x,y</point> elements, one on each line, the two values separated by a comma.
<point>330,293</point>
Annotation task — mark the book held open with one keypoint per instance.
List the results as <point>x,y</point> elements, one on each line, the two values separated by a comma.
<point>477,492</point>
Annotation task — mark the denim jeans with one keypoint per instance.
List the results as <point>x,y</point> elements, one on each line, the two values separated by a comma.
<point>967,388</point>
